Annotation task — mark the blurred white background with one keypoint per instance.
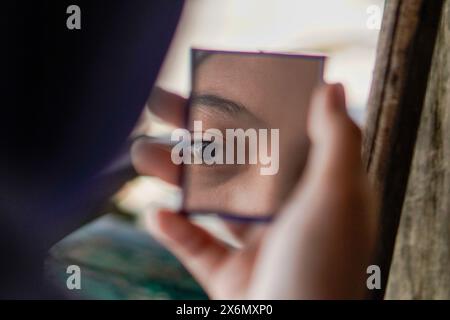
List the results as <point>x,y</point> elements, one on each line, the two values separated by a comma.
<point>344,30</point>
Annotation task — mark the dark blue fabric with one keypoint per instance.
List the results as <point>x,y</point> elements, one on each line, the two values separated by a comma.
<point>69,100</point>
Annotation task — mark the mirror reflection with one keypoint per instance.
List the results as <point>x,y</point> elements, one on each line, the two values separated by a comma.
<point>247,124</point>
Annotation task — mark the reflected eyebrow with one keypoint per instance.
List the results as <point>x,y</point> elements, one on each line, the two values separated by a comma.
<point>223,104</point>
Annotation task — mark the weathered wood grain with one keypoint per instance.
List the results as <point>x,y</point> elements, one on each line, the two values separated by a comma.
<point>403,62</point>
<point>421,264</point>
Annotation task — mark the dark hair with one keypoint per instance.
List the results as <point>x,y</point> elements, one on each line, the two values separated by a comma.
<point>198,56</point>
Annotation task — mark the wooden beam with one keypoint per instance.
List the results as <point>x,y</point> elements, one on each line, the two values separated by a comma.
<point>421,263</point>
<point>404,55</point>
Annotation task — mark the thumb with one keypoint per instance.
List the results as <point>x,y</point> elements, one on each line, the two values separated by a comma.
<point>335,138</point>
<point>328,221</point>
<point>335,187</point>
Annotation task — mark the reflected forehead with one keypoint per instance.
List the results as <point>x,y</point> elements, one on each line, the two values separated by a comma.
<point>249,77</point>
<point>232,81</point>
<point>219,102</point>
<point>259,83</point>
<point>238,63</point>
<point>213,104</point>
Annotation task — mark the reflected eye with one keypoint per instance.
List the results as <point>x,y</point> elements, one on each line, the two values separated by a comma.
<point>208,148</point>
<point>198,148</point>
<point>200,151</point>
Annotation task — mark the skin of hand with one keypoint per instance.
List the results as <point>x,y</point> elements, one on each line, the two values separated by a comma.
<point>323,238</point>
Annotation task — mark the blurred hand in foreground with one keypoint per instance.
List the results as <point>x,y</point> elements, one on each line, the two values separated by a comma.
<point>323,238</point>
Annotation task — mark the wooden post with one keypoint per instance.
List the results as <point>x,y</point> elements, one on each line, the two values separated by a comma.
<point>404,55</point>
<point>421,264</point>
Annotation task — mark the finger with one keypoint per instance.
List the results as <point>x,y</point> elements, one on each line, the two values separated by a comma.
<point>335,138</point>
<point>337,202</point>
<point>334,170</point>
<point>153,159</point>
<point>329,211</point>
<point>334,191</point>
<point>168,106</point>
<point>197,250</point>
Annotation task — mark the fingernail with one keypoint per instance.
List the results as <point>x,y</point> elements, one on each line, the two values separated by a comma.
<point>336,97</point>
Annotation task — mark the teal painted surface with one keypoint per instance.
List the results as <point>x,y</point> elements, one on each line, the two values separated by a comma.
<point>118,261</point>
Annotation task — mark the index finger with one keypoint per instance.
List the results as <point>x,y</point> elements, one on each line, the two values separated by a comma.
<point>168,106</point>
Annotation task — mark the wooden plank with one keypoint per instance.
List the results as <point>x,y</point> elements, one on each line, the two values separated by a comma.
<point>403,62</point>
<point>421,264</point>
